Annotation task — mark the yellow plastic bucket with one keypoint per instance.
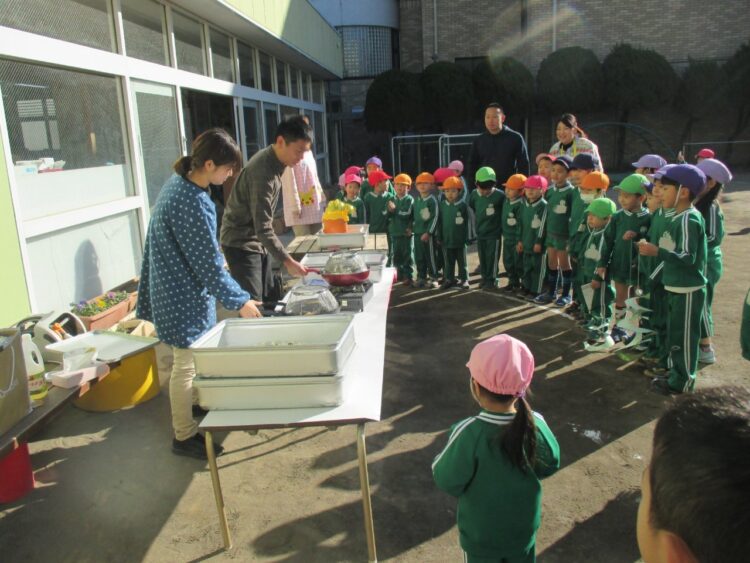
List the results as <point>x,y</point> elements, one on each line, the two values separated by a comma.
<point>134,381</point>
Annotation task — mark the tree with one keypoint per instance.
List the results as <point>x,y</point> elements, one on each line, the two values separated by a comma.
<point>737,70</point>
<point>394,102</point>
<point>701,93</point>
<point>506,81</point>
<point>570,80</point>
<point>636,79</point>
<point>448,95</point>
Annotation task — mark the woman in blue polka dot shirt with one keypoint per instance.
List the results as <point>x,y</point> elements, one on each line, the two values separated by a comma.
<point>183,272</point>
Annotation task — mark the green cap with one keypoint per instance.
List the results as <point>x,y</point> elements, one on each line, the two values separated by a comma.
<point>485,174</point>
<point>603,207</point>
<point>634,184</point>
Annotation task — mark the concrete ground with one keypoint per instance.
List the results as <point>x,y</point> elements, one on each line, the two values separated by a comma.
<point>109,489</point>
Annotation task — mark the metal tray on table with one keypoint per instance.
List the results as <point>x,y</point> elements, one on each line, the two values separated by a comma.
<point>275,346</point>
<point>354,237</point>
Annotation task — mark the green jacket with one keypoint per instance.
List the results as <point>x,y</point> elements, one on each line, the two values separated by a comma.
<point>401,218</point>
<point>619,253</point>
<point>659,222</point>
<point>577,241</point>
<point>455,224</point>
<point>376,207</point>
<point>577,213</point>
<point>714,236</point>
<point>559,207</point>
<point>591,252</point>
<point>488,213</point>
<point>511,219</point>
<point>426,215</point>
<point>499,506</point>
<point>531,224</point>
<point>359,217</point>
<point>682,250</point>
<point>366,188</point>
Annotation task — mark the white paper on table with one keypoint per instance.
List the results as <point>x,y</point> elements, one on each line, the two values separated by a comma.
<point>588,295</point>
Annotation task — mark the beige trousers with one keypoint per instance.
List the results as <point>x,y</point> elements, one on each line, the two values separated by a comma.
<point>181,393</point>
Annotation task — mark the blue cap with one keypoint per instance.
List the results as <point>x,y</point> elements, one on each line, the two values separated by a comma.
<point>563,160</point>
<point>660,172</point>
<point>374,160</point>
<point>688,176</point>
<point>584,161</point>
<point>715,169</point>
<point>650,161</point>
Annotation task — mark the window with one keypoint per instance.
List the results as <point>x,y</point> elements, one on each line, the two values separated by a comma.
<point>270,112</point>
<point>305,87</point>
<point>368,50</point>
<point>317,92</point>
<point>253,142</point>
<point>221,56</point>
<point>66,138</point>
<point>288,111</point>
<point>319,130</point>
<point>202,111</point>
<point>294,91</point>
<point>85,22</point>
<point>188,40</point>
<point>281,77</point>
<point>247,65</point>
<point>145,34</point>
<point>266,80</point>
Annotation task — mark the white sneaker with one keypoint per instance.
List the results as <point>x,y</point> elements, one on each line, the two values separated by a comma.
<point>707,355</point>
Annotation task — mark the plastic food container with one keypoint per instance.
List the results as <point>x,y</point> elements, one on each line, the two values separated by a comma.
<point>310,300</point>
<point>354,237</point>
<point>275,346</point>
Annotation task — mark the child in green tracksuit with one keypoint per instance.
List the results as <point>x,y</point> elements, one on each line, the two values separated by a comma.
<point>350,195</point>
<point>425,225</point>
<point>490,464</point>
<point>532,235</point>
<point>592,186</point>
<point>619,257</point>
<point>374,164</point>
<point>376,207</point>
<point>556,227</point>
<point>600,212</point>
<point>511,221</point>
<point>400,229</point>
<point>454,233</point>
<point>487,204</point>
<point>718,175</point>
<point>682,250</point>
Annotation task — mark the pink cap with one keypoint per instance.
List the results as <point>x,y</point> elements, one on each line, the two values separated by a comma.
<point>536,182</point>
<point>457,165</point>
<point>352,178</point>
<point>352,170</point>
<point>442,174</point>
<point>502,365</point>
<point>705,153</point>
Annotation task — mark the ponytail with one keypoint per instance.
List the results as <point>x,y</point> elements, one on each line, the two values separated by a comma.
<point>703,203</point>
<point>519,439</point>
<point>214,144</point>
<point>570,121</point>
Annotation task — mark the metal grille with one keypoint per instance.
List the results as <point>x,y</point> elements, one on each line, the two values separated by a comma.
<point>221,56</point>
<point>143,22</point>
<point>188,39</point>
<point>367,50</point>
<point>65,115</point>
<point>85,22</point>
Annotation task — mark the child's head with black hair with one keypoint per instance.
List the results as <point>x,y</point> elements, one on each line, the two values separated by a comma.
<point>717,176</point>
<point>681,184</point>
<point>696,489</point>
<point>485,180</point>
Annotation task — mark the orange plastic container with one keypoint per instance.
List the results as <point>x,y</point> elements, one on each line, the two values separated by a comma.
<point>334,226</point>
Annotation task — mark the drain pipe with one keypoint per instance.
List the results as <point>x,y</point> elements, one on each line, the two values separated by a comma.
<point>434,32</point>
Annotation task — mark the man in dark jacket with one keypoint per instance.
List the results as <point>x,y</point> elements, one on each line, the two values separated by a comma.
<point>500,147</point>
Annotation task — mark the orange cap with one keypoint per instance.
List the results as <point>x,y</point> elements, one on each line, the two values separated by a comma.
<point>402,179</point>
<point>425,178</point>
<point>515,182</point>
<point>452,182</point>
<point>595,181</point>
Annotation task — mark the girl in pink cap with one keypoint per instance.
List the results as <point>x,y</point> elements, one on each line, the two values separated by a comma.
<point>494,461</point>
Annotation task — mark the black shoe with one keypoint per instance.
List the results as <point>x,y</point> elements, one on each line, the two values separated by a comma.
<point>194,447</point>
<point>661,386</point>
<point>199,411</point>
<point>510,288</point>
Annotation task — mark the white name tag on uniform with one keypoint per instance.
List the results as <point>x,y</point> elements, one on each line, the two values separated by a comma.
<point>459,219</point>
<point>490,210</point>
<point>425,214</point>
<point>511,221</point>
<point>536,222</point>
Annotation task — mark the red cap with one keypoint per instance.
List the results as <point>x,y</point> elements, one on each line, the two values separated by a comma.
<point>374,178</point>
<point>349,178</point>
<point>705,153</point>
<point>536,182</point>
<point>442,174</point>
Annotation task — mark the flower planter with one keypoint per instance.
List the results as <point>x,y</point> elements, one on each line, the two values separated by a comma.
<point>334,226</point>
<point>107,318</point>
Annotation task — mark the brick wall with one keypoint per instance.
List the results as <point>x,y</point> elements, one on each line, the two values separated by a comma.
<point>410,35</point>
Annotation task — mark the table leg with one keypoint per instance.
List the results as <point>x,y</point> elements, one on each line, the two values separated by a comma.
<point>217,490</point>
<point>364,481</point>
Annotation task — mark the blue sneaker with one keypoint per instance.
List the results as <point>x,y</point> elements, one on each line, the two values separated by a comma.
<point>621,335</point>
<point>563,301</point>
<point>543,299</point>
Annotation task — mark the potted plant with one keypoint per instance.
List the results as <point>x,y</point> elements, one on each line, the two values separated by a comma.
<point>103,311</point>
<point>336,216</point>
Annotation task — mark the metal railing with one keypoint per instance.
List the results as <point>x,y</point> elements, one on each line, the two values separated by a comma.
<point>443,145</point>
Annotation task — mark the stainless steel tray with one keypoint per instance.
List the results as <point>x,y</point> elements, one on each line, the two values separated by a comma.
<point>315,259</point>
<point>233,393</point>
<point>375,260</point>
<point>275,346</point>
<point>354,237</point>
<point>110,346</point>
